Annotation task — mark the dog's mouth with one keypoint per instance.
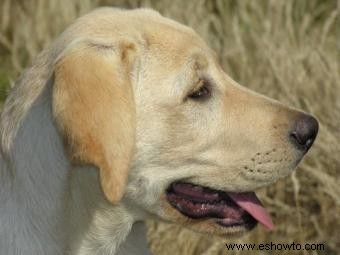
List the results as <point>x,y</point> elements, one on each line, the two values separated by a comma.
<point>228,209</point>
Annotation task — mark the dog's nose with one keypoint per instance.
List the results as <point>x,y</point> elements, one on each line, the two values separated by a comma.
<point>304,132</point>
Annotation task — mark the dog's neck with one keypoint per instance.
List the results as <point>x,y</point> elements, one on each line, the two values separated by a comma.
<point>97,227</point>
<point>136,242</point>
<point>49,207</point>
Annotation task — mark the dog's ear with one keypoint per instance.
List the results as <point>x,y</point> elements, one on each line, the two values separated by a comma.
<point>93,106</point>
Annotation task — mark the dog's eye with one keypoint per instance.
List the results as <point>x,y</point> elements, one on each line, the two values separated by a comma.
<point>202,93</point>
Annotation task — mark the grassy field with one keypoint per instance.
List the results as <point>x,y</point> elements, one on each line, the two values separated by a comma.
<point>286,49</point>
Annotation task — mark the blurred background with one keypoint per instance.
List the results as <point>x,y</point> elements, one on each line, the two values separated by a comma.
<point>286,49</point>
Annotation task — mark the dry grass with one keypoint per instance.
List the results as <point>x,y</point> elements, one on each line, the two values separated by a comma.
<point>286,49</point>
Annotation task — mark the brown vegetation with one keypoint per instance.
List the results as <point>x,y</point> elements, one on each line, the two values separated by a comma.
<point>286,49</point>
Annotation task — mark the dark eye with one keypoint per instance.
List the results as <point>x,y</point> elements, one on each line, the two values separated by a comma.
<point>203,92</point>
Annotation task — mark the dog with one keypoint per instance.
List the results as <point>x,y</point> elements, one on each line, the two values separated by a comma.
<point>128,116</point>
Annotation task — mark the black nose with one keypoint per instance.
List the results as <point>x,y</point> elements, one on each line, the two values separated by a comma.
<point>304,132</point>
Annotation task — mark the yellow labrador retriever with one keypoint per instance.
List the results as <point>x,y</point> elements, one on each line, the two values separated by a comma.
<point>128,115</point>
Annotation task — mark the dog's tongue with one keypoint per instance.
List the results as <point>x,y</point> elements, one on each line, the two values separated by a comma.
<point>249,202</point>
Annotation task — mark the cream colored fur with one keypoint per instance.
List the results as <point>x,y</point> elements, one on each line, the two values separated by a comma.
<point>100,125</point>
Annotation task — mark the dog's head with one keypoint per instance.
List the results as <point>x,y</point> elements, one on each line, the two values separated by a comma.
<point>144,99</point>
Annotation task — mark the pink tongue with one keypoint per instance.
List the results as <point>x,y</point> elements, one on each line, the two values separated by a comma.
<point>249,202</point>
